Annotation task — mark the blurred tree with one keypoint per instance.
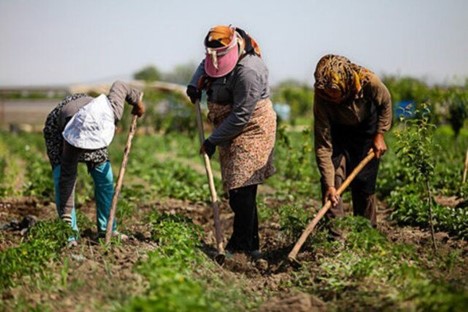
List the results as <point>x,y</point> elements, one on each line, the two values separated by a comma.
<point>407,89</point>
<point>181,74</point>
<point>299,96</point>
<point>149,73</point>
<point>458,110</point>
<point>439,99</point>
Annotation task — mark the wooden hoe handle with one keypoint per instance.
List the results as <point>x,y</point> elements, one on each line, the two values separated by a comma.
<point>310,227</point>
<point>110,221</point>
<point>209,174</point>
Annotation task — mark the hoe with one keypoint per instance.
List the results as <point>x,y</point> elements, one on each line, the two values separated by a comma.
<point>310,227</point>
<point>110,222</point>
<point>220,257</point>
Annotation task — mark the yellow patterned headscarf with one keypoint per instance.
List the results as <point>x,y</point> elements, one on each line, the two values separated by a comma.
<point>337,72</point>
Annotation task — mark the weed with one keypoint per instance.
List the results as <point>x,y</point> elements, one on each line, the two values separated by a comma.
<point>368,263</point>
<point>293,220</point>
<point>43,244</point>
<point>169,271</point>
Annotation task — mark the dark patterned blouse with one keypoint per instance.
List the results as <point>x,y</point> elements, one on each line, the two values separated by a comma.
<point>54,139</point>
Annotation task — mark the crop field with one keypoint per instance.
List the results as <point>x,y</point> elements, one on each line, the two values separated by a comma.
<point>164,207</point>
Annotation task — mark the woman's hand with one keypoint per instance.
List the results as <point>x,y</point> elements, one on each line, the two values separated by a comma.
<point>208,148</point>
<point>379,145</point>
<point>139,108</point>
<point>332,196</point>
<point>193,93</point>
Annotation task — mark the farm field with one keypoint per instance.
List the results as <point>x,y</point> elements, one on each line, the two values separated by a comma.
<point>167,264</point>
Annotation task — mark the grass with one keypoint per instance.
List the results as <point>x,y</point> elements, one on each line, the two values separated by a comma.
<point>43,244</point>
<point>180,277</point>
<point>366,270</point>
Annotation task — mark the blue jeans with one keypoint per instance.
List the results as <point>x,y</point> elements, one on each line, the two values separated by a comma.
<point>103,193</point>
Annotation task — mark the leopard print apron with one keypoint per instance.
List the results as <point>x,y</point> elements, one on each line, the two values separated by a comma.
<point>248,158</point>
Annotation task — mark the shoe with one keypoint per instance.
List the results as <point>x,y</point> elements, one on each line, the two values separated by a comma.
<point>115,234</point>
<point>232,248</point>
<point>229,254</point>
<point>72,244</point>
<point>332,230</point>
<point>256,254</point>
<point>119,235</point>
<point>335,232</point>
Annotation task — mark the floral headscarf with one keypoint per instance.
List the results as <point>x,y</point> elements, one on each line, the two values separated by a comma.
<point>337,72</point>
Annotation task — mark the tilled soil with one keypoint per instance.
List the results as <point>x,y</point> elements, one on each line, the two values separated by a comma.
<point>94,267</point>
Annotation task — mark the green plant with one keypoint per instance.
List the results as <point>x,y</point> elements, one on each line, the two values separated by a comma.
<point>172,287</point>
<point>367,270</point>
<point>293,220</point>
<point>166,112</point>
<point>415,146</point>
<point>296,176</point>
<point>43,244</point>
<point>410,209</point>
<point>397,185</point>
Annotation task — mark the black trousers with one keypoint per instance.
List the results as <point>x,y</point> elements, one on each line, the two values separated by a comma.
<point>243,202</point>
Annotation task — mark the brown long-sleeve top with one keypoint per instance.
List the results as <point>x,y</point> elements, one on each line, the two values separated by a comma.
<point>326,113</point>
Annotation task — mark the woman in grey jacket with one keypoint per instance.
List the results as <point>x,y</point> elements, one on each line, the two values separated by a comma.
<point>79,129</point>
<point>236,83</point>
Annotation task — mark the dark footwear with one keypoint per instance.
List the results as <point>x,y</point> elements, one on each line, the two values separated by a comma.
<point>334,232</point>
<point>256,254</point>
<point>230,252</point>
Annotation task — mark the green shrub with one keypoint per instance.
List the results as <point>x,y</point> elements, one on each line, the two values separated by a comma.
<point>412,200</point>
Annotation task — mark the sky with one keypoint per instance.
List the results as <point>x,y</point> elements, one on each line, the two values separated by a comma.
<point>61,42</point>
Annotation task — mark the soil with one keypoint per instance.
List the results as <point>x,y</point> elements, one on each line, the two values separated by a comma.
<point>92,267</point>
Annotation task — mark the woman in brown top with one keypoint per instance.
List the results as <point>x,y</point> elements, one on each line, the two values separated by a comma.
<point>244,121</point>
<point>352,111</point>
